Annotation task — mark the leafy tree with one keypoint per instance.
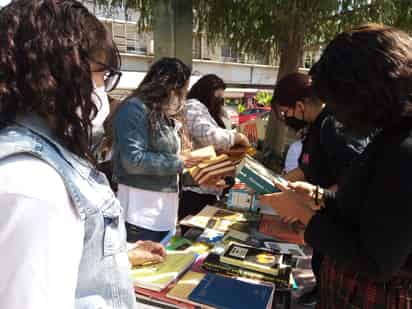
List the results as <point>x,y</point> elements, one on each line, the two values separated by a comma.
<point>263,97</point>
<point>280,29</point>
<point>283,29</point>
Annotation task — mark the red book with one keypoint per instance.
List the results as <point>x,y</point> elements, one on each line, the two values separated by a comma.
<point>273,226</point>
<point>161,297</point>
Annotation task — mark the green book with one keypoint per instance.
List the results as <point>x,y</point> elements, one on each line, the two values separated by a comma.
<point>157,277</point>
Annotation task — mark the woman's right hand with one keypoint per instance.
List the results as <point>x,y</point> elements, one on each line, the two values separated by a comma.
<point>241,139</point>
<point>307,191</point>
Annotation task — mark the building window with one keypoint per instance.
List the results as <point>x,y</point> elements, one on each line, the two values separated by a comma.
<point>228,54</point>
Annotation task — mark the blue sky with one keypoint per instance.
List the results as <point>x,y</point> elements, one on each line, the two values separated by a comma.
<point>4,2</point>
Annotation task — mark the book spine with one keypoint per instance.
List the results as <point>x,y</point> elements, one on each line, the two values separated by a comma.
<point>223,269</point>
<point>255,182</point>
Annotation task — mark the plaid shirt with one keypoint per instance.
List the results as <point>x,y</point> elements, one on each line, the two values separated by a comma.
<point>204,130</point>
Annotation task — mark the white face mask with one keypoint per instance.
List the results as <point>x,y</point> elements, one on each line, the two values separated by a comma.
<point>101,100</point>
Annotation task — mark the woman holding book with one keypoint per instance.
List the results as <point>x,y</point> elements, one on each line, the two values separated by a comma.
<point>365,75</point>
<point>326,151</point>
<point>203,115</point>
<point>146,151</point>
<point>63,239</point>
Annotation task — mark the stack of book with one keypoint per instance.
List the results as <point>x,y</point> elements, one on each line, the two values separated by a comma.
<point>249,262</point>
<point>212,170</point>
<point>215,166</point>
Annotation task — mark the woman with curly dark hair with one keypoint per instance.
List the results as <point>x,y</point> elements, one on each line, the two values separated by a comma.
<point>146,151</point>
<point>364,232</point>
<point>62,238</point>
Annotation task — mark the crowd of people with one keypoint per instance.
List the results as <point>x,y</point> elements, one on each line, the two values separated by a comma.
<point>64,224</point>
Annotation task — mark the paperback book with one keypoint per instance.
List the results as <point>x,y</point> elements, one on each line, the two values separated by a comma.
<point>254,259</point>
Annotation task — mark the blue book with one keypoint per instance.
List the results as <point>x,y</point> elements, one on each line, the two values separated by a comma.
<point>241,294</point>
<point>258,177</point>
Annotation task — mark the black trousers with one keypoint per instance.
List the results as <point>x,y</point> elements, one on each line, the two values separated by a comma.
<point>190,203</point>
<point>317,259</point>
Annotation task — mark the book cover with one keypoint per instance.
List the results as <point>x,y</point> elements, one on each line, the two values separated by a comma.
<point>212,168</point>
<point>157,277</point>
<point>214,218</point>
<point>274,227</point>
<point>177,243</point>
<point>243,295</point>
<point>252,258</point>
<point>212,263</point>
<point>185,286</point>
<point>208,151</point>
<point>257,177</point>
<point>214,176</point>
<point>160,298</point>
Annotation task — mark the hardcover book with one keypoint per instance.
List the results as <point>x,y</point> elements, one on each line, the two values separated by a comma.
<point>251,258</point>
<point>242,295</point>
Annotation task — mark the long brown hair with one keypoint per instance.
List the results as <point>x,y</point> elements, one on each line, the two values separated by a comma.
<point>204,91</point>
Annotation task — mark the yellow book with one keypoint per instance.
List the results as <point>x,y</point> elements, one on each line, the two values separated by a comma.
<point>157,277</point>
<point>208,151</point>
<point>185,286</point>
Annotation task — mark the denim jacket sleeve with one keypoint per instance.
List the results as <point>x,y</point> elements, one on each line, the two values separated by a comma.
<point>132,135</point>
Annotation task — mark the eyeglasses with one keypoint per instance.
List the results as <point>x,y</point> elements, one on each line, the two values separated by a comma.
<point>111,79</point>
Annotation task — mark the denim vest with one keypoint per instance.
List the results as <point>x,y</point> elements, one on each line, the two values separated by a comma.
<point>142,160</point>
<point>103,278</point>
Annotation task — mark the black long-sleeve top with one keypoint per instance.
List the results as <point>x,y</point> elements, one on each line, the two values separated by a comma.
<point>369,225</point>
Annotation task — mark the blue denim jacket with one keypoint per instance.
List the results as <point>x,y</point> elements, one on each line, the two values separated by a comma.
<point>103,278</point>
<point>143,160</point>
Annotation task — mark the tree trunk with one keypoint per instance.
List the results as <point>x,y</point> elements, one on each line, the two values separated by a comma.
<point>291,53</point>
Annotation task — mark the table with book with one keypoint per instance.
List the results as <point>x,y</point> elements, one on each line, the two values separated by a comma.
<point>230,257</point>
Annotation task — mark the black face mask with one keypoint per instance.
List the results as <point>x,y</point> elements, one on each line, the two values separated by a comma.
<point>295,123</point>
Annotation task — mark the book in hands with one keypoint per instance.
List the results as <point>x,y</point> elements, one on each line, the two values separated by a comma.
<point>251,258</point>
<point>205,152</point>
<point>274,227</point>
<point>257,177</point>
<point>158,277</point>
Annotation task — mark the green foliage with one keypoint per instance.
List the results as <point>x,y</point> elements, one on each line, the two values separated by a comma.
<point>263,97</point>
<point>264,25</point>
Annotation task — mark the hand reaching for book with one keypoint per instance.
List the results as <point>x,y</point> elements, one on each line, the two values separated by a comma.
<point>146,252</point>
<point>308,192</point>
<point>289,203</point>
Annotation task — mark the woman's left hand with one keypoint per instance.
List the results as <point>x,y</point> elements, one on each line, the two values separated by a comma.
<point>289,204</point>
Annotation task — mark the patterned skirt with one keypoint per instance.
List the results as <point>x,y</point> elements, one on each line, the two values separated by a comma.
<point>341,288</point>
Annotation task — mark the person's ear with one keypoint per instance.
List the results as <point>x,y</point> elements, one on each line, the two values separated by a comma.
<point>300,106</point>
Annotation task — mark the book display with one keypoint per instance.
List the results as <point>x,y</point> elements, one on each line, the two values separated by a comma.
<point>232,248</point>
